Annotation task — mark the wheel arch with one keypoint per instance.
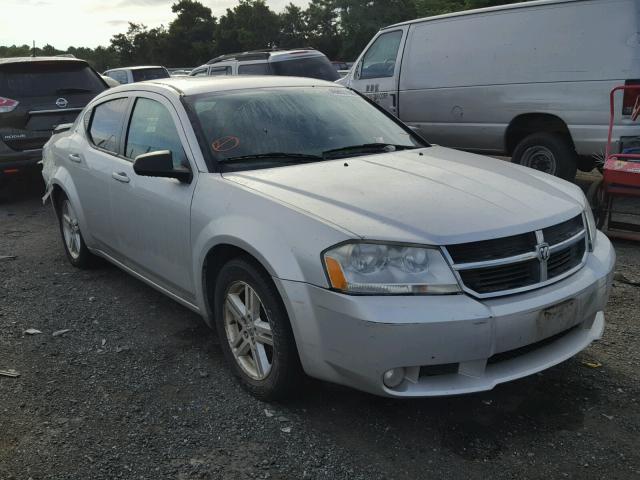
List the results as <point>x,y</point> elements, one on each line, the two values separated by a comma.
<point>525,124</point>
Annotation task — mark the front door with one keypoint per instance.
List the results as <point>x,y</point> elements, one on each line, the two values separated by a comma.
<point>378,70</point>
<point>152,214</point>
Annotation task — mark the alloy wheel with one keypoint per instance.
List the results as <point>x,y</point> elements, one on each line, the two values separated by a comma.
<point>71,230</point>
<point>248,330</point>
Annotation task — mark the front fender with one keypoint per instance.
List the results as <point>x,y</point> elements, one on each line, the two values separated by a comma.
<point>285,241</point>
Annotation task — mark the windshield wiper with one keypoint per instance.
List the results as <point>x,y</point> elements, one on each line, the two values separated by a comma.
<point>364,149</point>
<point>301,157</point>
<point>73,90</point>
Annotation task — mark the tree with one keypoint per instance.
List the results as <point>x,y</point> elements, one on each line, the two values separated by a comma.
<point>250,25</point>
<point>359,21</point>
<point>190,38</point>
<point>322,18</point>
<point>293,29</point>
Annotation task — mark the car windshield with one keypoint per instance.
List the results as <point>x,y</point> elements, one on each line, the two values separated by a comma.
<point>141,74</point>
<point>278,125</point>
<point>42,79</point>
<point>314,67</point>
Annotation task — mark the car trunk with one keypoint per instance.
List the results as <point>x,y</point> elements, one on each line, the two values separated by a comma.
<point>49,94</point>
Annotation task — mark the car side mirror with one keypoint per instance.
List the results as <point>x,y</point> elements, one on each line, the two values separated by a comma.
<point>160,164</point>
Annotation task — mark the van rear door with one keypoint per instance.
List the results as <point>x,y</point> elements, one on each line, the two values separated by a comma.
<point>378,70</point>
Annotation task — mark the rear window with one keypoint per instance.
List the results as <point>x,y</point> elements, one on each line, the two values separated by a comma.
<point>142,74</point>
<point>45,79</point>
<point>314,67</point>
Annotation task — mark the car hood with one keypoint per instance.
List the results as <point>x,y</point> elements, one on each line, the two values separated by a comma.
<point>434,195</point>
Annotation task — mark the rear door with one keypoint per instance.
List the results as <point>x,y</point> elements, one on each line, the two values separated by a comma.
<point>377,72</point>
<point>49,93</point>
<point>151,215</point>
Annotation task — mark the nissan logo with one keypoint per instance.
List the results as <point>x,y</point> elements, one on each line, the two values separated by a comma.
<point>62,102</point>
<point>543,252</point>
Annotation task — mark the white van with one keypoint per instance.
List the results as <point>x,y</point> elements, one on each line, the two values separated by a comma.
<point>530,80</point>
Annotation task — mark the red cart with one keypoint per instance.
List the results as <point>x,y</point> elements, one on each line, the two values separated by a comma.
<point>616,198</point>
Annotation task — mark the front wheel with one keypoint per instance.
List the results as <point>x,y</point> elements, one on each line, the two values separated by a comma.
<point>254,331</point>
<point>548,152</point>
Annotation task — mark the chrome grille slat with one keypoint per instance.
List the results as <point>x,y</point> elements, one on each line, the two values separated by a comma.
<point>543,256</point>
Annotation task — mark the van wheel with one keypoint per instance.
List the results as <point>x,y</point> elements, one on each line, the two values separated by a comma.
<point>77,252</point>
<point>254,331</point>
<point>549,153</point>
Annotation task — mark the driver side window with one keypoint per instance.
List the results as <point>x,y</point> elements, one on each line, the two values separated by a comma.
<point>380,59</point>
<point>152,129</point>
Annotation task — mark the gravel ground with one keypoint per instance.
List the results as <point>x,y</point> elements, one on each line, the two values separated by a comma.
<point>137,388</point>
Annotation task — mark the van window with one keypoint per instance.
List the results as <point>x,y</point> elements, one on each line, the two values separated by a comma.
<point>152,129</point>
<point>254,69</point>
<point>380,59</point>
<point>219,71</point>
<point>106,124</point>
<point>199,73</point>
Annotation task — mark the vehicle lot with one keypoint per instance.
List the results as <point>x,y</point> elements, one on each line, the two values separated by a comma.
<point>138,389</point>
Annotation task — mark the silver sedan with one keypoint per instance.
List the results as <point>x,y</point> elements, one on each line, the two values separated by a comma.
<point>320,235</point>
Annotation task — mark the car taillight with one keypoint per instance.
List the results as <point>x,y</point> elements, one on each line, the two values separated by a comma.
<point>7,105</point>
<point>630,97</point>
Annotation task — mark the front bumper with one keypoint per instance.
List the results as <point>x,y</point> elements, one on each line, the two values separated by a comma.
<point>449,344</point>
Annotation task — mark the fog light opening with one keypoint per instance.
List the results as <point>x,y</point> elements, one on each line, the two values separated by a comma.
<point>394,377</point>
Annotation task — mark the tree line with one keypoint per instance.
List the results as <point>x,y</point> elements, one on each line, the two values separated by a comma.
<point>338,28</point>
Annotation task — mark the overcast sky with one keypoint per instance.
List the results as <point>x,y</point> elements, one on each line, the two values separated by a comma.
<point>89,23</point>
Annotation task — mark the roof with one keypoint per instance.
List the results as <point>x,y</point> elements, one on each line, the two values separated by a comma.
<point>137,67</point>
<point>262,54</point>
<point>5,61</point>
<point>499,8</point>
<point>197,85</point>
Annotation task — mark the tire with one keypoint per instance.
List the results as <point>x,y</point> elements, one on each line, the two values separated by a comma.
<point>267,337</point>
<point>548,152</point>
<point>77,252</point>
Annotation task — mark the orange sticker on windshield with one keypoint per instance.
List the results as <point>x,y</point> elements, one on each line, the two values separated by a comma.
<point>225,144</point>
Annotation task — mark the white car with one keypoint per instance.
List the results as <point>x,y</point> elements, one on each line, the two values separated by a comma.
<point>141,73</point>
<point>319,234</point>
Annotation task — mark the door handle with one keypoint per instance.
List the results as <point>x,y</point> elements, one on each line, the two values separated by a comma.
<point>121,177</point>
<point>75,157</point>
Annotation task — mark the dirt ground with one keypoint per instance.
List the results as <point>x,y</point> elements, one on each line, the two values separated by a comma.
<point>137,389</point>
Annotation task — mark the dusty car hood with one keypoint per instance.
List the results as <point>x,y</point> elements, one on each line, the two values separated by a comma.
<point>440,197</point>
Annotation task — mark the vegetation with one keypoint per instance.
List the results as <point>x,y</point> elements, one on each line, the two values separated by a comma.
<point>339,28</point>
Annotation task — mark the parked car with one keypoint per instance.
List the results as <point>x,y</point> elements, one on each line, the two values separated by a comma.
<point>530,80</point>
<point>331,239</point>
<point>304,62</point>
<point>36,95</point>
<point>180,72</point>
<point>136,74</point>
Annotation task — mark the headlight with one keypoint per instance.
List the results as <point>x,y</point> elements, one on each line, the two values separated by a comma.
<point>388,269</point>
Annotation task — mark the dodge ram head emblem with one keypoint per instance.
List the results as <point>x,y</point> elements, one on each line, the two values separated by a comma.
<point>543,252</point>
<point>62,102</point>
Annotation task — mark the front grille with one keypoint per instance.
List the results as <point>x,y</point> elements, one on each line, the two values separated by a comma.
<point>503,277</point>
<point>492,249</point>
<point>519,262</point>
